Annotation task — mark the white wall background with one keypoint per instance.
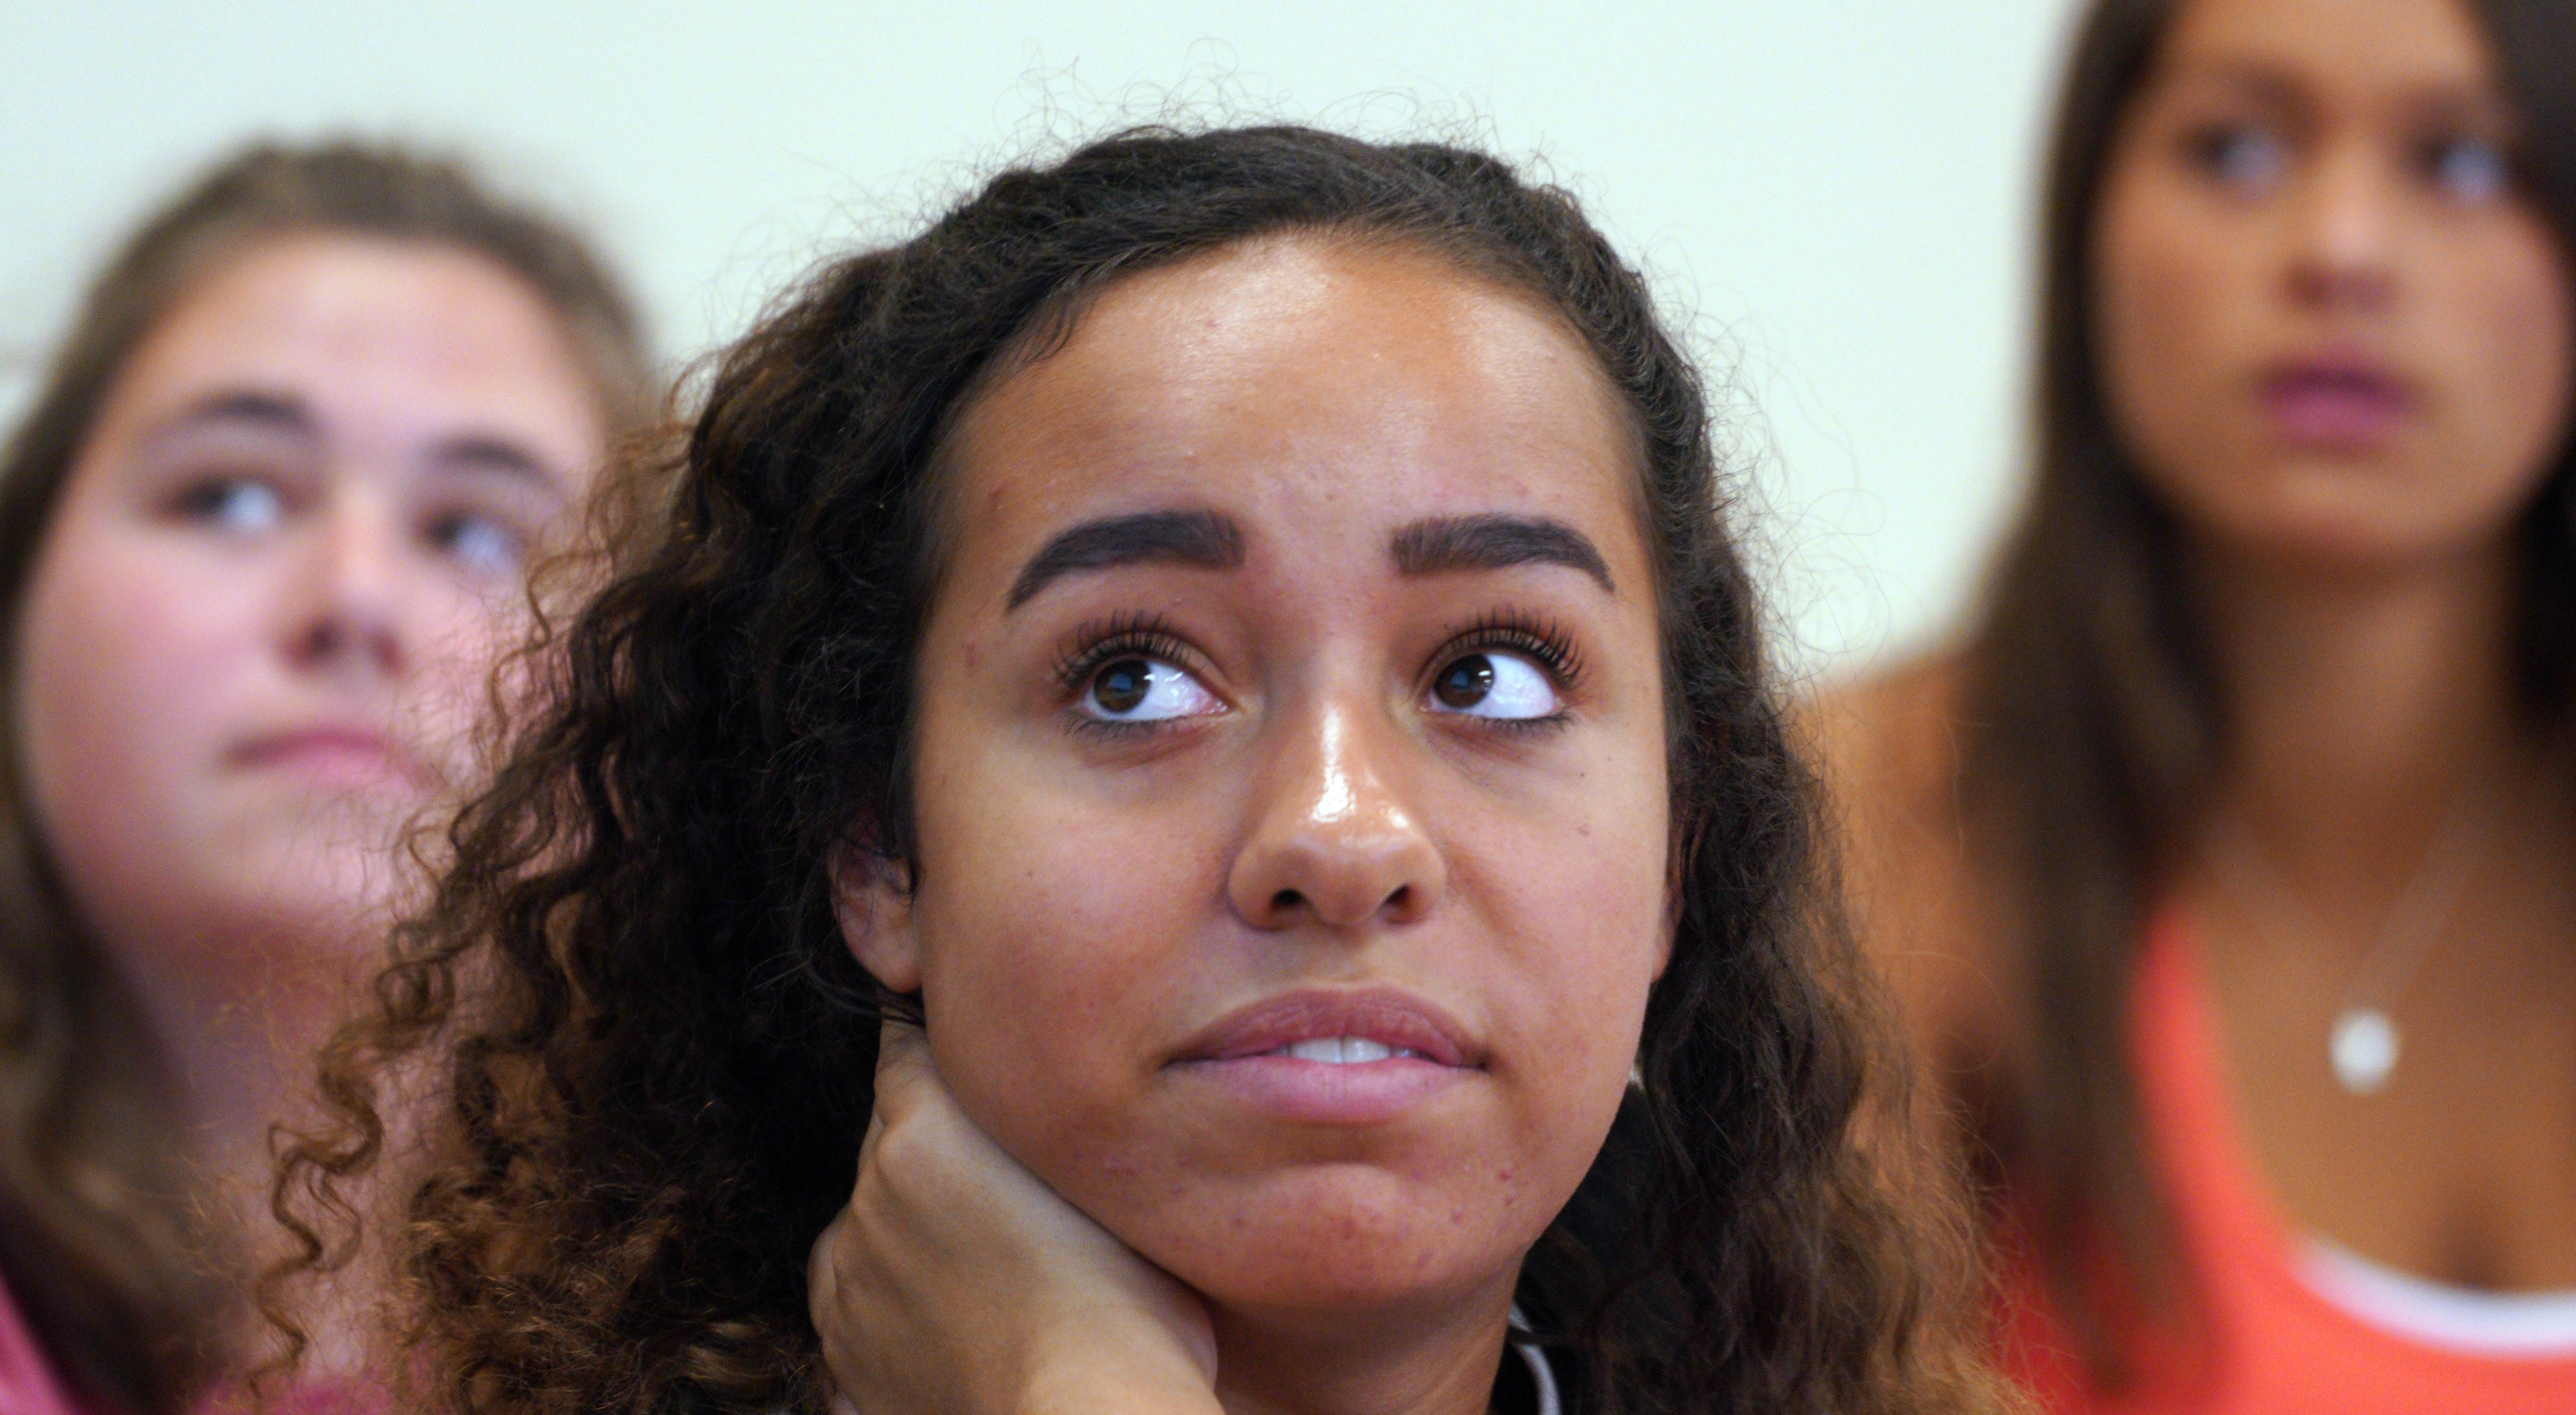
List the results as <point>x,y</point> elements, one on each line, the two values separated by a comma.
<point>1837,193</point>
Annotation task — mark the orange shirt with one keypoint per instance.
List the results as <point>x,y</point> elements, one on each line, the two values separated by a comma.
<point>2274,1346</point>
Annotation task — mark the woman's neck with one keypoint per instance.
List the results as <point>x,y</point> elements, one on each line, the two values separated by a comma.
<point>237,1008</point>
<point>238,1016</point>
<point>2358,706</point>
<point>1435,1359</point>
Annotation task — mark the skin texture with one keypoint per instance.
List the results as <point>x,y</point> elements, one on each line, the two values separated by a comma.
<point>2300,175</point>
<point>1090,901</point>
<point>264,617</point>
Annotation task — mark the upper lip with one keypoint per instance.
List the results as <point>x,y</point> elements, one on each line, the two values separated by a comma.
<point>1385,1015</point>
<point>2341,363</point>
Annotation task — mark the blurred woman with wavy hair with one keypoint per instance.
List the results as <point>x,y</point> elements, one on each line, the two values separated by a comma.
<point>263,532</point>
<point>2228,866</point>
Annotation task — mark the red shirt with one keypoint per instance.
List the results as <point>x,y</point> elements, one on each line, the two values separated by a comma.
<point>2272,1345</point>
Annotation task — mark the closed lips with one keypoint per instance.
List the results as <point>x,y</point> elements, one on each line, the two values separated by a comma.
<point>1339,1027</point>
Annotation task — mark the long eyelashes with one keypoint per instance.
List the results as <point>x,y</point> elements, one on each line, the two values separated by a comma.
<point>1095,645</point>
<point>1542,640</point>
<point>1100,643</point>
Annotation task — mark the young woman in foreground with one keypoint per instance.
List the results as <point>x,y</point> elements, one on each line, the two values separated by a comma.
<point>2229,868</point>
<point>262,532</point>
<point>1233,636</point>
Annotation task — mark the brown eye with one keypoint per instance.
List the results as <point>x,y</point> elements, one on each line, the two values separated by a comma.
<point>1504,686</point>
<point>1465,683</point>
<point>1134,688</point>
<point>1121,687</point>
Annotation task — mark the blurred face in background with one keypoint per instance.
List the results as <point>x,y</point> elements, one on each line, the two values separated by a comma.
<point>276,581</point>
<point>2332,328</point>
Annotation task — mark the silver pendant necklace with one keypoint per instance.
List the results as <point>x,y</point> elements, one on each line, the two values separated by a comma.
<point>2363,1046</point>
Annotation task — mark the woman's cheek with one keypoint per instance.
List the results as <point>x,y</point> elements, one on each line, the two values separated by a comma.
<point>1579,896</point>
<point>129,660</point>
<point>1044,949</point>
<point>2520,360</point>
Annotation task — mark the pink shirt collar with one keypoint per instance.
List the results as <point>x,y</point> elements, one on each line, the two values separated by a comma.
<point>28,1385</point>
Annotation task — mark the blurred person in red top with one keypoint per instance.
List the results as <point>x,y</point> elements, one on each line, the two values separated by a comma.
<point>264,535</point>
<point>2228,865</point>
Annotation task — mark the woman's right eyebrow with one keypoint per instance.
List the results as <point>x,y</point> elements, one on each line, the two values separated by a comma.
<point>1201,538</point>
<point>250,408</point>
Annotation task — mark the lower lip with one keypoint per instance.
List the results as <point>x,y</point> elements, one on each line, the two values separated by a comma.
<point>2334,417</point>
<point>1329,1093</point>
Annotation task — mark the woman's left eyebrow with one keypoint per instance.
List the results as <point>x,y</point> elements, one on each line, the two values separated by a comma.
<point>491,452</point>
<point>1495,542</point>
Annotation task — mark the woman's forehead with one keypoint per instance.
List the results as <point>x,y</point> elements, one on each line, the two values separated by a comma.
<point>1302,383</point>
<point>373,340</point>
<point>2420,48</point>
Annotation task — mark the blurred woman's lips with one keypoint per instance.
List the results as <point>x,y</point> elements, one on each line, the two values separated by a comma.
<point>1332,1056</point>
<point>334,754</point>
<point>2336,401</point>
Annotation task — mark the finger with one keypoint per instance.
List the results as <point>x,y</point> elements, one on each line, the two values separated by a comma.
<point>822,1273</point>
<point>903,1053</point>
<point>903,1064</point>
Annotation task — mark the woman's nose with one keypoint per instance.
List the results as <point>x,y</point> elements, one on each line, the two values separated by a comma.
<point>1335,841</point>
<point>345,614</point>
<point>2344,245</point>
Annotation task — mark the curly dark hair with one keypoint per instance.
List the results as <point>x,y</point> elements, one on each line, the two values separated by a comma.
<point>657,1049</point>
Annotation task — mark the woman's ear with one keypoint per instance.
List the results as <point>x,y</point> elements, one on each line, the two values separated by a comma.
<point>872,900</point>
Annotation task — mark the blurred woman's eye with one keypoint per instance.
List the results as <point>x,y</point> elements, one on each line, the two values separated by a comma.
<point>2469,170</point>
<point>239,505</point>
<point>1495,684</point>
<point>481,543</point>
<point>1139,689</point>
<point>2247,157</point>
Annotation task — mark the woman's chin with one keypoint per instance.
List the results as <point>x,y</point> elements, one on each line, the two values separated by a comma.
<point>1341,1239</point>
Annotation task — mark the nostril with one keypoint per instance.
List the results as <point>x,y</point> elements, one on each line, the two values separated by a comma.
<point>1286,900</point>
<point>1402,899</point>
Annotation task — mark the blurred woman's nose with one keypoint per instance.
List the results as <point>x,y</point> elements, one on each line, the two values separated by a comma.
<point>2346,214</point>
<point>1334,840</point>
<point>344,614</point>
